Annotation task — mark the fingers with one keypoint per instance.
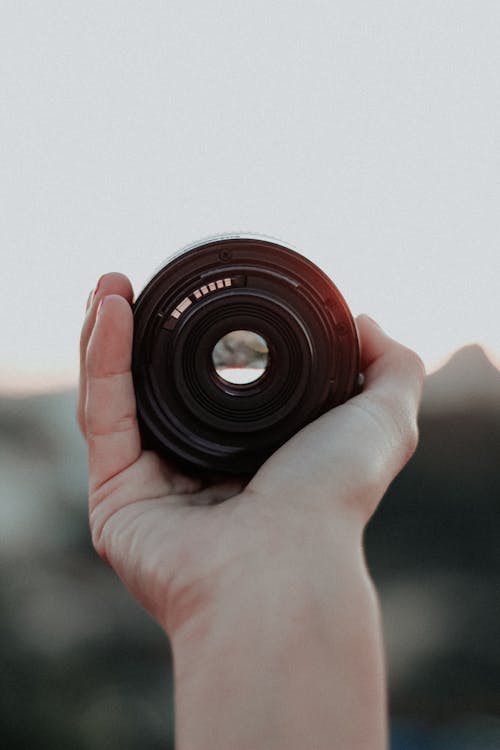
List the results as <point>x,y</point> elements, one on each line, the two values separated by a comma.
<point>110,410</point>
<point>110,283</point>
<point>394,377</point>
<point>350,454</point>
<point>375,344</point>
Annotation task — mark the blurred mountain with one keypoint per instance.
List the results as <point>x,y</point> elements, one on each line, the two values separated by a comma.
<point>43,472</point>
<point>468,381</point>
<point>433,550</point>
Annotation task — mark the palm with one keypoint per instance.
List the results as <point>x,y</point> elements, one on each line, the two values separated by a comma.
<point>157,529</point>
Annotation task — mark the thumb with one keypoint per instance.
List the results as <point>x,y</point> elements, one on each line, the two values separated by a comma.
<point>393,381</point>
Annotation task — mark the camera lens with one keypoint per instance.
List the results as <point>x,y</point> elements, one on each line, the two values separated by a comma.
<point>239,342</point>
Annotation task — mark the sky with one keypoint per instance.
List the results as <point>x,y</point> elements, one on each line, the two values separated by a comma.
<point>367,135</point>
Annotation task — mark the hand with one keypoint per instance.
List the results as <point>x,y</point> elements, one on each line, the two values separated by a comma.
<point>190,558</point>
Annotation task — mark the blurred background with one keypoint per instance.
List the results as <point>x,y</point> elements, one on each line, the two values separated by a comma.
<point>365,134</point>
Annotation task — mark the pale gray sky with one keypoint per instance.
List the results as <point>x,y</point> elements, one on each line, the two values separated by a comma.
<point>367,134</point>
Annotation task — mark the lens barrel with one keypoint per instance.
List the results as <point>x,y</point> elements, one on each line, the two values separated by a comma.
<point>252,284</point>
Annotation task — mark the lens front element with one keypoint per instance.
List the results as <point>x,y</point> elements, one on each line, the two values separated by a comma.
<point>240,357</point>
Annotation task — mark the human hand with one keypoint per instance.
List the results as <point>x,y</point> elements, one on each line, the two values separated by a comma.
<point>287,542</point>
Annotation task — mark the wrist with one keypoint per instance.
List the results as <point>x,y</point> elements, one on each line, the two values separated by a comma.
<point>294,655</point>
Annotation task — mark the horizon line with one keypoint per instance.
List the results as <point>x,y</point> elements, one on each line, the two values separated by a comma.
<point>17,384</point>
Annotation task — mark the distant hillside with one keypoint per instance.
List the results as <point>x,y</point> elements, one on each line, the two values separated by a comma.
<point>433,549</point>
<point>468,381</point>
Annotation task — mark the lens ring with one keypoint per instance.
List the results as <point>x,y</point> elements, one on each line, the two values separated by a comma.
<point>259,404</point>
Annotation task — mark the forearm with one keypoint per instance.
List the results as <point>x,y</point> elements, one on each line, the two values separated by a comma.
<point>295,666</point>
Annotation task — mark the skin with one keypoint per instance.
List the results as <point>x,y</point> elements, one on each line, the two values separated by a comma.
<point>262,586</point>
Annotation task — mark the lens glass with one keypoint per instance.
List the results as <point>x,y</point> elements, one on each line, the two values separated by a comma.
<point>240,357</point>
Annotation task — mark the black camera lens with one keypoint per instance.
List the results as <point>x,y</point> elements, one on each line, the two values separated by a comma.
<point>239,341</point>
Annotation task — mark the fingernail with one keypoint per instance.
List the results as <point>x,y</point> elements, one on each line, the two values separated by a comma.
<point>99,306</point>
<point>96,289</point>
